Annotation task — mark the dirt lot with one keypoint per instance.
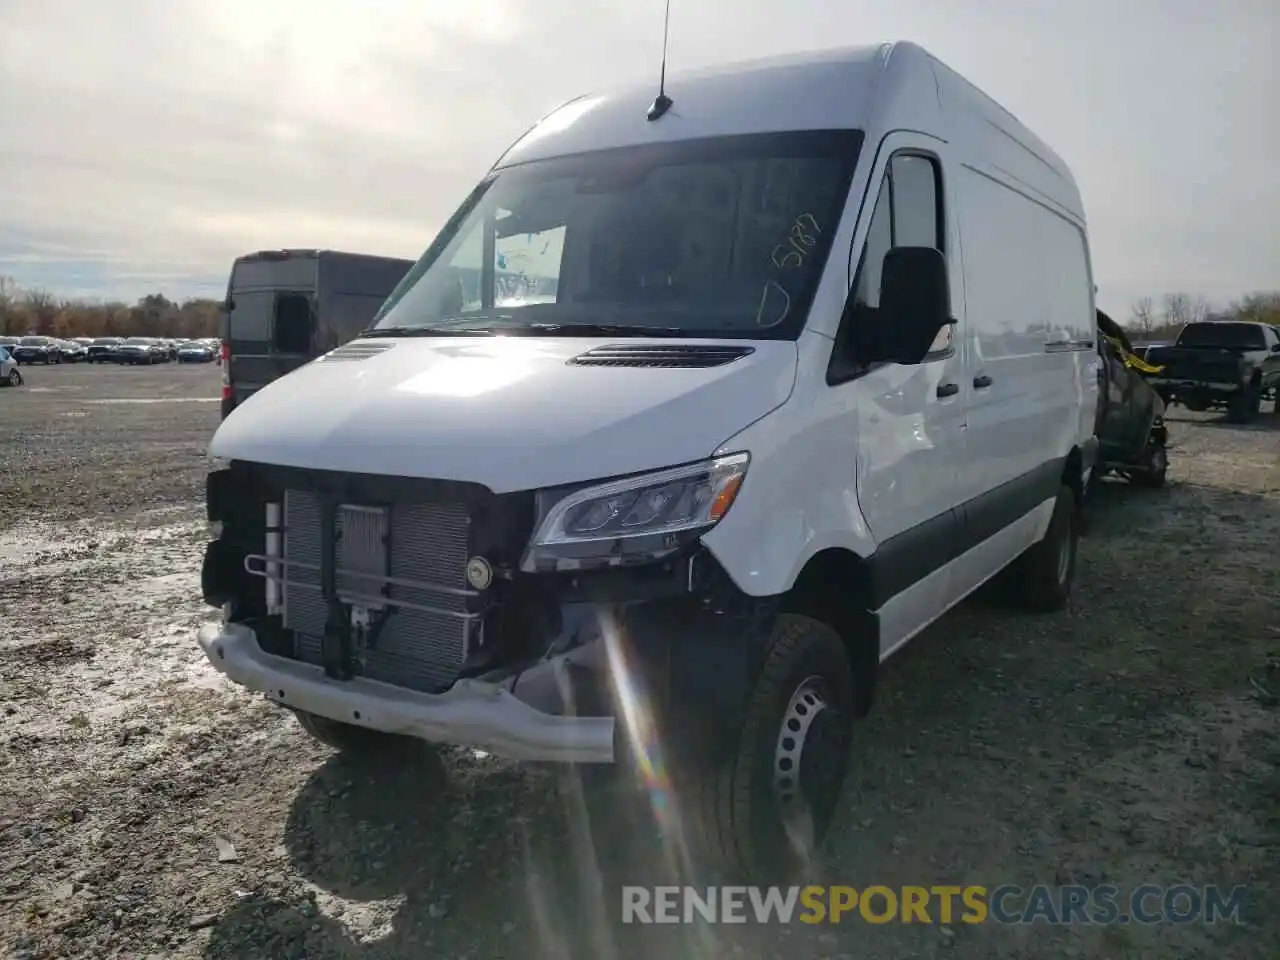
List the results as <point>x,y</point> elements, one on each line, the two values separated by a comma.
<point>147,808</point>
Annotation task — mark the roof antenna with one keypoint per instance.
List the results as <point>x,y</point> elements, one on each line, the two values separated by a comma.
<point>662,103</point>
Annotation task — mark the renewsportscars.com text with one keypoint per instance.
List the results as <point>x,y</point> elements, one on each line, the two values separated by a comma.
<point>970,904</point>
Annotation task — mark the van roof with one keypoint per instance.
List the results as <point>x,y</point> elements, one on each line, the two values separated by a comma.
<point>311,253</point>
<point>865,87</point>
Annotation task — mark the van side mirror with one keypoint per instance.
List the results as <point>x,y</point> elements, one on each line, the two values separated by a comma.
<point>915,305</point>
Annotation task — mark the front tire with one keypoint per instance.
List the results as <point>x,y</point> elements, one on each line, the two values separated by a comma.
<point>1042,576</point>
<point>764,811</point>
<point>356,741</point>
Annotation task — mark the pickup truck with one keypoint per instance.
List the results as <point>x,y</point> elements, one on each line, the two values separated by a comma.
<point>1219,364</point>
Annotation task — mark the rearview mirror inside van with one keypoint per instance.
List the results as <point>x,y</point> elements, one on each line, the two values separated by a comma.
<point>915,304</point>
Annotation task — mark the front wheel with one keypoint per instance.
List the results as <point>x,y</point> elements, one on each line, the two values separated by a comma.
<point>763,812</point>
<point>347,738</point>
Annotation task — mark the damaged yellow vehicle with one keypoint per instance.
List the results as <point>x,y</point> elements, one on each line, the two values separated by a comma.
<point>1132,436</point>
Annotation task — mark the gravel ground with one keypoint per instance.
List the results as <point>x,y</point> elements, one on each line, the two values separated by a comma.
<point>150,809</point>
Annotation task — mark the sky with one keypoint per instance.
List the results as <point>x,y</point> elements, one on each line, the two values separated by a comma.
<point>146,143</point>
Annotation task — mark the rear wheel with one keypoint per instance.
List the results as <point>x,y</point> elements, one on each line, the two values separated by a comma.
<point>1041,578</point>
<point>1244,406</point>
<point>15,378</point>
<point>1153,474</point>
<point>763,812</point>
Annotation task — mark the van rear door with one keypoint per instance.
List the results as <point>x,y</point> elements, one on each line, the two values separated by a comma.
<point>270,321</point>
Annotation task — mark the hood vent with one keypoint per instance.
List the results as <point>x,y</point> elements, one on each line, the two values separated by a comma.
<point>687,355</point>
<point>356,350</point>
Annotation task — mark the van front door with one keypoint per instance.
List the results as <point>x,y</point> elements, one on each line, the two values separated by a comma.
<point>910,419</point>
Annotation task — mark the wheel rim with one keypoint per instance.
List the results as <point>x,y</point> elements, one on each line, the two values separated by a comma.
<point>808,758</point>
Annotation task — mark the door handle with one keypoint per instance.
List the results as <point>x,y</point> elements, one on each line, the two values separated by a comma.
<point>981,382</point>
<point>948,390</point>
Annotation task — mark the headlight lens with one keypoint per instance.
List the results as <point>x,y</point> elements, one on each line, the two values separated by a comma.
<point>634,520</point>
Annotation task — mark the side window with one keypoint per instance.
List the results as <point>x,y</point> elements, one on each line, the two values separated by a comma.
<point>916,211</point>
<point>908,213</point>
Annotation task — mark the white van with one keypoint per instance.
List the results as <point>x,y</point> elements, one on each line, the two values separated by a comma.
<point>678,429</point>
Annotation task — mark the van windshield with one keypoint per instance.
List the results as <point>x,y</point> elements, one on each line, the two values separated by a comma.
<point>723,237</point>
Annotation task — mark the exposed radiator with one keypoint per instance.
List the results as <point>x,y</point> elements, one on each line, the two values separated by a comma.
<point>423,543</point>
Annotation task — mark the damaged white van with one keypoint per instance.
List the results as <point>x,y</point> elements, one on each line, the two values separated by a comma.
<point>690,417</point>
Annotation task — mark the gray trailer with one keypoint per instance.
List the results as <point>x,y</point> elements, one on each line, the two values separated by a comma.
<point>284,308</point>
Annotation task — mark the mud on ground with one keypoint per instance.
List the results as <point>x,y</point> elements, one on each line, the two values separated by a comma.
<point>150,809</point>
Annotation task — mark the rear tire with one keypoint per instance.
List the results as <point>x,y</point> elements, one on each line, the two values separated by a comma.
<point>1244,406</point>
<point>762,813</point>
<point>14,378</point>
<point>1041,578</point>
<point>1153,474</point>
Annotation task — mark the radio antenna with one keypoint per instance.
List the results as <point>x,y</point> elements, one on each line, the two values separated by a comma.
<point>662,103</point>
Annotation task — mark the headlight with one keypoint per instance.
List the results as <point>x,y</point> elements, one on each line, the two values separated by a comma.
<point>635,520</point>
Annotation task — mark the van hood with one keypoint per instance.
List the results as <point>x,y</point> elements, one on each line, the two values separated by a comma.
<point>510,413</point>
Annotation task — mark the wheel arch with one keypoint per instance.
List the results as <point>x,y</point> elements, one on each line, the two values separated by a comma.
<point>835,587</point>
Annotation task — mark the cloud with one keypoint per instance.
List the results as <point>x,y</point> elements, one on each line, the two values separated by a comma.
<point>146,142</point>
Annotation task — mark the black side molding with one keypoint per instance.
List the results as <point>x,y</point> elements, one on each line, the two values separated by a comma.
<point>906,558</point>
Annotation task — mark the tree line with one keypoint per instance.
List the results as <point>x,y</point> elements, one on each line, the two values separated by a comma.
<point>1150,319</point>
<point>40,313</point>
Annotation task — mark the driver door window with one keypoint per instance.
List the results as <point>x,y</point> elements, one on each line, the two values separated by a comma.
<point>908,213</point>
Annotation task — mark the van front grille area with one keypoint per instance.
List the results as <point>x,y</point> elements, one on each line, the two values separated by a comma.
<point>401,567</point>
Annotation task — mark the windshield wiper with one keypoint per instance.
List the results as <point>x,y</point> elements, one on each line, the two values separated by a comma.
<point>604,330</point>
<point>426,332</point>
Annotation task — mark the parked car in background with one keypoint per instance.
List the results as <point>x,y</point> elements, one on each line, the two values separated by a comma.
<point>1219,364</point>
<point>72,351</point>
<point>83,341</point>
<point>103,349</point>
<point>196,351</point>
<point>138,350</point>
<point>9,374</point>
<point>1140,349</point>
<point>9,344</point>
<point>37,350</point>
